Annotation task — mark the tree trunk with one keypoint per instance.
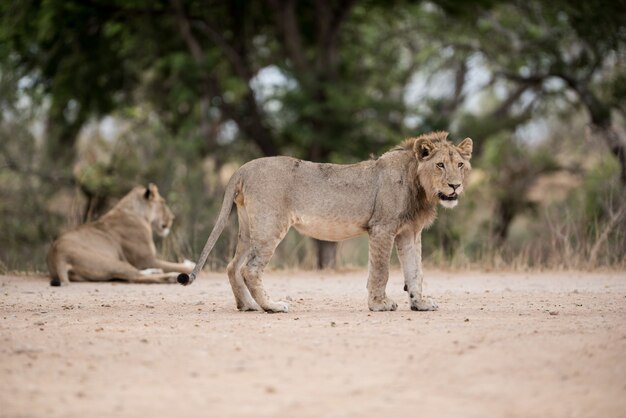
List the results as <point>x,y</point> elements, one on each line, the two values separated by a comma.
<point>617,146</point>
<point>326,254</point>
<point>602,125</point>
<point>61,138</point>
<point>95,207</point>
<point>503,217</point>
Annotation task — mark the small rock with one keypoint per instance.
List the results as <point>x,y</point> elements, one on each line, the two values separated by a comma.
<point>553,313</point>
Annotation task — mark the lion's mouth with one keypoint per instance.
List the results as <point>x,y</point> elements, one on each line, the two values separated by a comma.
<point>448,197</point>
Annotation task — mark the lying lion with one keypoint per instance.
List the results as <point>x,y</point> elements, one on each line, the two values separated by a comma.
<point>119,245</point>
<point>392,198</point>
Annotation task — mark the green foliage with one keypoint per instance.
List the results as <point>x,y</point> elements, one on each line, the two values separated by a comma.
<point>600,192</point>
<point>180,77</point>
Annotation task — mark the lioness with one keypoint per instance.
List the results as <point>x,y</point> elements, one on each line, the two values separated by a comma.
<point>391,198</point>
<point>119,245</point>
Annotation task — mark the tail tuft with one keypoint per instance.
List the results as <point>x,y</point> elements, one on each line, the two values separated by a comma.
<point>55,282</point>
<point>183,278</point>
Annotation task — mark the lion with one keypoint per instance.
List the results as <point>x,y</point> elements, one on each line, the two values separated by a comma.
<point>119,245</point>
<point>391,198</point>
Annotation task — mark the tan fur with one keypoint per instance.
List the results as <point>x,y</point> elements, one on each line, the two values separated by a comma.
<point>119,245</point>
<point>391,198</point>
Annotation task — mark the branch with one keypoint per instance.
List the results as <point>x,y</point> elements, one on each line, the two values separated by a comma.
<point>459,83</point>
<point>504,107</point>
<point>608,228</point>
<point>248,116</point>
<point>284,13</point>
<point>236,60</point>
<point>329,24</point>
<point>52,177</point>
<point>185,30</point>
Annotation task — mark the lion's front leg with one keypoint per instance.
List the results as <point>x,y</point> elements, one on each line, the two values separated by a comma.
<point>409,246</point>
<point>380,244</point>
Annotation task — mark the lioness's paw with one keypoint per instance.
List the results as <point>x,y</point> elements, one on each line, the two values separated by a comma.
<point>171,278</point>
<point>147,272</point>
<point>384,304</point>
<point>424,304</point>
<point>277,307</point>
<point>188,263</point>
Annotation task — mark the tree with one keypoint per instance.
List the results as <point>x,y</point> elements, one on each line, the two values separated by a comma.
<point>197,63</point>
<point>560,47</point>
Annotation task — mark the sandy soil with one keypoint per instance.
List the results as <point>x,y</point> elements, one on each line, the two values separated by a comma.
<point>501,345</point>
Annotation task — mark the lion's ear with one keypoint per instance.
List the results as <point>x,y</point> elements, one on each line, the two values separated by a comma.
<point>423,148</point>
<point>465,148</point>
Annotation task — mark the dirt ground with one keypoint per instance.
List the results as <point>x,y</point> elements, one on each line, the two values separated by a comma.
<point>501,345</point>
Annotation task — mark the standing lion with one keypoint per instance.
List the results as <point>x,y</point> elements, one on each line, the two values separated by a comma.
<point>119,245</point>
<point>392,199</point>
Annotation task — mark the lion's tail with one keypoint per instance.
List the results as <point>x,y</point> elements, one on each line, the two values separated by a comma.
<point>222,220</point>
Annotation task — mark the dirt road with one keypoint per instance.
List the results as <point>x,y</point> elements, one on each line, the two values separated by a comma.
<point>501,345</point>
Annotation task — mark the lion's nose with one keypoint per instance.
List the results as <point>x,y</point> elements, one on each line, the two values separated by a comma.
<point>454,186</point>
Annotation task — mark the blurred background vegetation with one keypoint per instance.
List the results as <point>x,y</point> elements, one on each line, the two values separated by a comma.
<point>99,95</point>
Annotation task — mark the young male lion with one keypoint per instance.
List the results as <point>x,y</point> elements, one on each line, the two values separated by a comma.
<point>391,198</point>
<point>119,245</point>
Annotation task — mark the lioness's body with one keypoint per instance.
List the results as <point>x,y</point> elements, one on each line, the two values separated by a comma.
<point>117,246</point>
<point>391,198</point>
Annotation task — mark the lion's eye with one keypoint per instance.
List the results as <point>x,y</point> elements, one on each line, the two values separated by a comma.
<point>440,165</point>
<point>460,165</point>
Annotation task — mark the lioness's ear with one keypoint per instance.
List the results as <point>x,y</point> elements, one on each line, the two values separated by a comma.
<point>151,192</point>
<point>423,148</point>
<point>465,148</point>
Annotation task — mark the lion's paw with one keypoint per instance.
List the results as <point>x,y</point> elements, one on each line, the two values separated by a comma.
<point>189,264</point>
<point>384,304</point>
<point>277,307</point>
<point>248,306</point>
<point>423,304</point>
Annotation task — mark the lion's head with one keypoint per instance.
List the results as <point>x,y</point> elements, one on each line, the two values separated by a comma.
<point>442,166</point>
<point>159,214</point>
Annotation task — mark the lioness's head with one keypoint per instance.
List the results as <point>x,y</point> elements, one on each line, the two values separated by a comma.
<point>442,166</point>
<point>159,214</point>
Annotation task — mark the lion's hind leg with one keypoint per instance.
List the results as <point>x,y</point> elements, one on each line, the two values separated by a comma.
<point>243,298</point>
<point>266,232</point>
<point>99,269</point>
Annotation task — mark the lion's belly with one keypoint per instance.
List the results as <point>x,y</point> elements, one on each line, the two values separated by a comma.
<point>328,229</point>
